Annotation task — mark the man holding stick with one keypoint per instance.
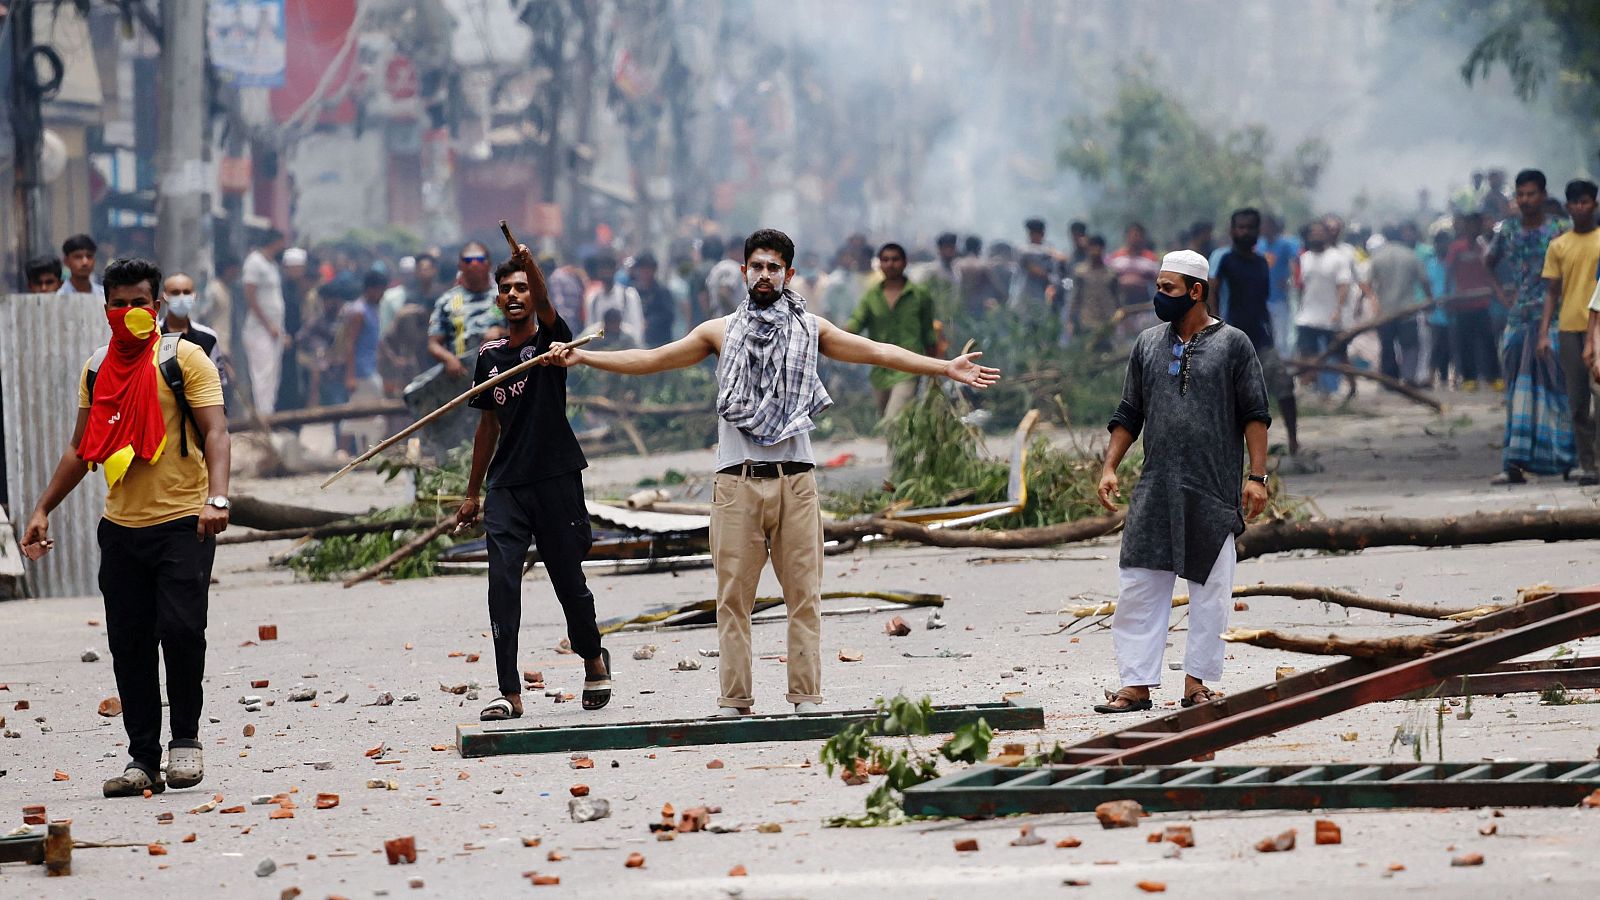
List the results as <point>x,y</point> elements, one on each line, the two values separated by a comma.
<point>765,494</point>
<point>1195,390</point>
<point>534,467</point>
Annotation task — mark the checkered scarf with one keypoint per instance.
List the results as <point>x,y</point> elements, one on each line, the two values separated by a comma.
<point>767,375</point>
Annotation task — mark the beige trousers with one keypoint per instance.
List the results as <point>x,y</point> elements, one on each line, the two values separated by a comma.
<point>753,519</point>
<point>891,401</point>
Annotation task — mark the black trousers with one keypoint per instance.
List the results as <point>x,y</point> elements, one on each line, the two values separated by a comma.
<point>1399,342</point>
<point>156,582</point>
<point>550,515</point>
<point>1476,357</point>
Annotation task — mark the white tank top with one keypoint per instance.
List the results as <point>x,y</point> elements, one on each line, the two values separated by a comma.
<point>735,447</point>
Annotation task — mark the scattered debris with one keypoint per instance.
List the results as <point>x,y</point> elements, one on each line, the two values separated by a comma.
<point>1182,835</point>
<point>648,651</point>
<point>769,828</point>
<point>896,627</point>
<point>33,815</point>
<point>1240,606</point>
<point>384,699</point>
<point>688,665</point>
<point>934,622</point>
<point>635,861</point>
<point>249,699</point>
<point>1282,842</point>
<point>1467,859</point>
<point>1027,838</point>
<point>376,752</point>
<point>714,764</point>
<point>583,809</point>
<point>266,632</point>
<point>207,806</point>
<point>259,683</point>
<point>1487,829</point>
<point>582,762</point>
<point>401,850</point>
<point>1119,813</point>
<point>1067,843</point>
<point>111,707</point>
<point>457,689</point>
<point>265,867</point>
<point>60,776</point>
<point>542,880</point>
<point>694,819</point>
<point>327,801</point>
<point>579,790</point>
<point>90,655</point>
<point>849,655</point>
<point>709,654</point>
<point>156,850</point>
<point>1152,887</point>
<point>414,882</point>
<point>411,697</point>
<point>1592,801</point>
<point>967,845</point>
<point>1328,832</point>
<point>738,871</point>
<point>302,694</point>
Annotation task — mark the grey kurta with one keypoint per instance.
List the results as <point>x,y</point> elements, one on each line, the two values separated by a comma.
<point>1187,501</point>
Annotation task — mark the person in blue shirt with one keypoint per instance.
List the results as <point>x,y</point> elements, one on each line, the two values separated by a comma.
<point>1439,325</point>
<point>1241,282</point>
<point>1280,251</point>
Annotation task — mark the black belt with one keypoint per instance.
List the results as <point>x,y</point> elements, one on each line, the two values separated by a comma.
<point>766,469</point>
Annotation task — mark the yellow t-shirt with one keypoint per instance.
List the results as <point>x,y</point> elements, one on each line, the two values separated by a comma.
<point>1574,258</point>
<point>175,485</point>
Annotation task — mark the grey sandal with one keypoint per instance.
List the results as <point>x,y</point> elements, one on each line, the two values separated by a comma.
<point>133,782</point>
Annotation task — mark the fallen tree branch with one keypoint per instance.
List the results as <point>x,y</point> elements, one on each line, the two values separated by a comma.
<point>1404,647</point>
<point>1410,392</point>
<point>337,529</point>
<point>409,550</point>
<point>1317,593</point>
<point>1014,539</point>
<point>316,414</point>
<point>1547,525</point>
<point>1343,338</point>
<point>250,512</point>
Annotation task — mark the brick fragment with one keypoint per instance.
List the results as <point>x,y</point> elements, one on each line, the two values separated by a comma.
<point>1468,859</point>
<point>1068,843</point>
<point>1119,813</point>
<point>1282,842</point>
<point>1328,832</point>
<point>1182,835</point>
<point>157,850</point>
<point>1152,887</point>
<point>327,801</point>
<point>266,632</point>
<point>635,861</point>
<point>401,850</point>
<point>967,845</point>
<point>579,790</point>
<point>737,872</point>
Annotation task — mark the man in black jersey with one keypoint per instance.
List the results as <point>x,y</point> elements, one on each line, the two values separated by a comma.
<point>535,466</point>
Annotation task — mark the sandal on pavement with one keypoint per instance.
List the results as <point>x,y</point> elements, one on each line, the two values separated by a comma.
<point>597,693</point>
<point>185,767</point>
<point>1123,701</point>
<point>1199,694</point>
<point>133,782</point>
<point>498,711</point>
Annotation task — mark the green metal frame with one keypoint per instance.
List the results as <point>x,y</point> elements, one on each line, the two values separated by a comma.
<point>499,738</point>
<point>984,791</point>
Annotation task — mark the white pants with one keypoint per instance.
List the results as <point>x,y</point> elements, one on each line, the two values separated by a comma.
<point>266,363</point>
<point>1139,628</point>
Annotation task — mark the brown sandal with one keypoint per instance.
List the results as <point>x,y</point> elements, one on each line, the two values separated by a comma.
<point>1200,694</point>
<point>1123,701</point>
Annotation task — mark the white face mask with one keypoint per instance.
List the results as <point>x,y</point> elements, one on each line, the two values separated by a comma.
<point>180,305</point>
<point>752,278</point>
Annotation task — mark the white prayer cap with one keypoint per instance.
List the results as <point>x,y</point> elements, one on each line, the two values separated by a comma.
<point>1186,262</point>
<point>294,256</point>
<point>408,265</point>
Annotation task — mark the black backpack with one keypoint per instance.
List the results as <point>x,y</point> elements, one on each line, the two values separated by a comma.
<point>172,374</point>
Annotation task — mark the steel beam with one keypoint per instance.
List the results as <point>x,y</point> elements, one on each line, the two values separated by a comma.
<point>984,791</point>
<point>498,738</point>
<point>1209,727</point>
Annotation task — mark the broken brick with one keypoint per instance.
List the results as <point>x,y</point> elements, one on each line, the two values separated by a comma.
<point>694,819</point>
<point>635,861</point>
<point>375,752</point>
<point>579,790</point>
<point>249,731</point>
<point>1068,843</point>
<point>582,762</point>
<point>532,841</point>
<point>1240,606</point>
<point>769,828</point>
<point>1489,829</point>
<point>259,683</point>
<point>230,810</point>
<point>967,845</point>
<point>849,655</point>
<point>157,850</point>
<point>1468,859</point>
<point>1182,835</point>
<point>555,856</point>
<point>542,880</point>
<point>1027,838</point>
<point>60,776</point>
<point>1152,887</point>
<point>896,627</point>
<point>714,764</point>
<point>473,657</point>
<point>327,801</point>
<point>189,838</point>
<point>856,774</point>
<point>21,705</point>
<point>1282,842</point>
<point>1119,813</point>
<point>737,872</point>
<point>401,850</point>
<point>164,818</point>
<point>1328,832</point>
<point>1397,867</point>
<point>1592,801</point>
<point>110,707</point>
<point>281,813</point>
<point>1153,837</point>
<point>266,632</point>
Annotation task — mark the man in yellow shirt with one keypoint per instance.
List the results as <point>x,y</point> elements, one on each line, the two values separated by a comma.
<point>168,472</point>
<point>1570,266</point>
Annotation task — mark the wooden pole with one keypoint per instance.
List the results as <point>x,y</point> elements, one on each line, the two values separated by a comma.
<point>337,529</point>
<point>1407,391</point>
<point>409,550</point>
<point>1343,338</point>
<point>474,391</point>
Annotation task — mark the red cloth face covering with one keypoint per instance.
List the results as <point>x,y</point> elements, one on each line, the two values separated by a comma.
<point>125,420</point>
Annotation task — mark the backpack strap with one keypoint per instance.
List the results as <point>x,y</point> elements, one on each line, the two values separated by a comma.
<point>172,374</point>
<point>95,361</point>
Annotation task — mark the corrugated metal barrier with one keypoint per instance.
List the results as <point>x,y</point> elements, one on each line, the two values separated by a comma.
<point>44,341</point>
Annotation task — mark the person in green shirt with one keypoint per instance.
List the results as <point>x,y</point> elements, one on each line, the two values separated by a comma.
<point>895,311</point>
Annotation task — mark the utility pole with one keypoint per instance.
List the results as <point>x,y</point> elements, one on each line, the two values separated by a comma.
<point>183,243</point>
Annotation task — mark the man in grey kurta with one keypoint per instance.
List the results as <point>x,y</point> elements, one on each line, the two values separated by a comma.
<point>1195,391</point>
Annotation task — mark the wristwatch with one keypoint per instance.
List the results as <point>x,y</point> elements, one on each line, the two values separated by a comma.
<point>219,502</point>
<point>1258,479</point>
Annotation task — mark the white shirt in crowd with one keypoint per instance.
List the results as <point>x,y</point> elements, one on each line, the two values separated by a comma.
<point>263,273</point>
<point>1322,272</point>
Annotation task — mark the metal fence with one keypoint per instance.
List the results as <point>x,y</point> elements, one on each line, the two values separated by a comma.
<point>44,341</point>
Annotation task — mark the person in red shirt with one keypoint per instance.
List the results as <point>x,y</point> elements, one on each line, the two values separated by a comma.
<point>1475,350</point>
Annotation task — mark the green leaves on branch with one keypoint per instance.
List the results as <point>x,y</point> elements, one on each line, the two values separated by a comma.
<point>855,749</point>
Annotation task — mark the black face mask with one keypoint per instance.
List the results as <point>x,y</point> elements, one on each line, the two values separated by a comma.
<point>1170,308</point>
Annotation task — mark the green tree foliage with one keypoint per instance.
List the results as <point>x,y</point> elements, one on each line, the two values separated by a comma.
<point>1156,164</point>
<point>1543,45</point>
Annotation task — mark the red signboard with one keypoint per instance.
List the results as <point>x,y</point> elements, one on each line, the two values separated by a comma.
<point>314,33</point>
